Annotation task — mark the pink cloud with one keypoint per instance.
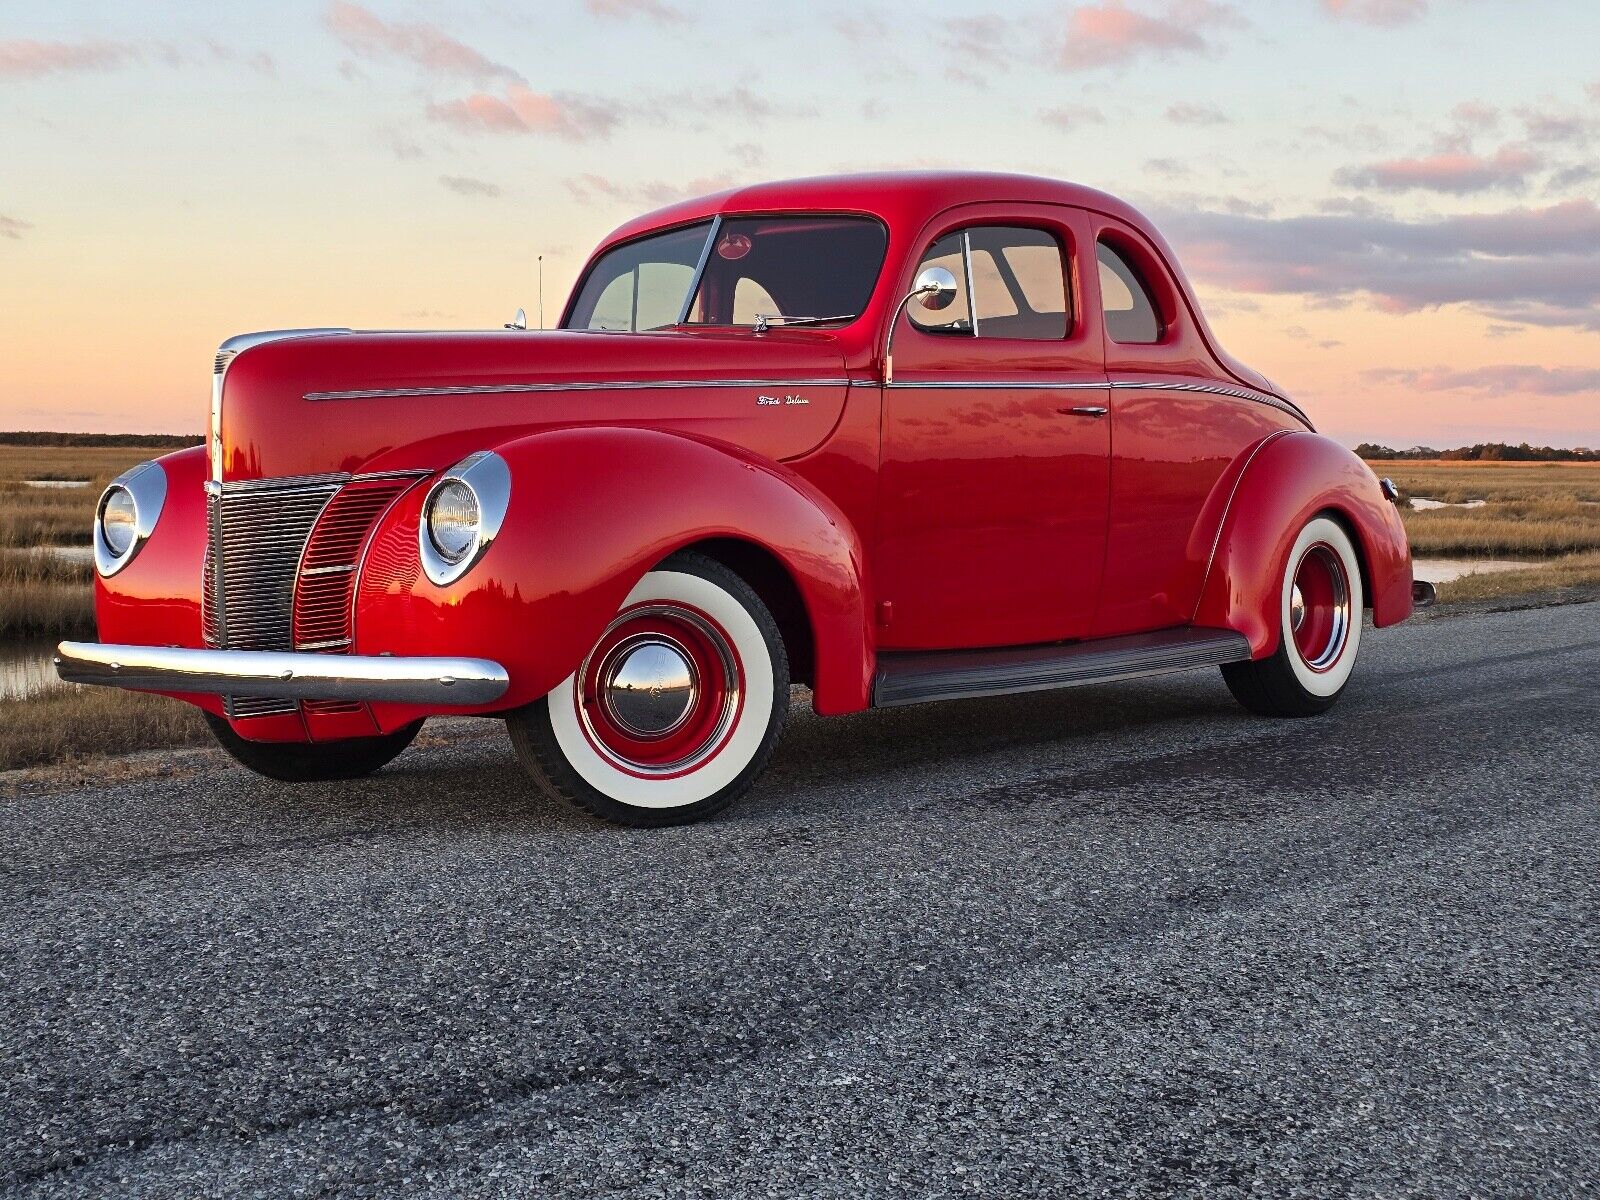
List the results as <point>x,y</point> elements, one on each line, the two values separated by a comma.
<point>1196,114</point>
<point>1501,379</point>
<point>13,228</point>
<point>1456,172</point>
<point>523,110</point>
<point>1538,266</point>
<point>22,57</point>
<point>1110,33</point>
<point>653,193</point>
<point>654,10</point>
<point>1377,12</point>
<point>427,46</point>
<point>1073,116</point>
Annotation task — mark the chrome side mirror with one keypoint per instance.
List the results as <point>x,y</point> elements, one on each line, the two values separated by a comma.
<point>934,289</point>
<point>520,321</point>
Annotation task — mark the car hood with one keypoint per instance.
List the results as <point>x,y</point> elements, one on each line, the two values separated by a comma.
<point>324,402</point>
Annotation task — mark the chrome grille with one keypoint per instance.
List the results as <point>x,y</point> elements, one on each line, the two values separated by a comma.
<point>259,531</point>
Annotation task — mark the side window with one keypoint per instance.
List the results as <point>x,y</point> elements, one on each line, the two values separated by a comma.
<point>1017,279</point>
<point>1130,313</point>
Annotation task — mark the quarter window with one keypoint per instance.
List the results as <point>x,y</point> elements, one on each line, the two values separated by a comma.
<point>1131,316</point>
<point>1010,283</point>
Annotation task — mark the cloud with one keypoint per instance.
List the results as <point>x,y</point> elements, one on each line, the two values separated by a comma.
<point>24,58</point>
<point>27,59</point>
<point>1537,266</point>
<point>1073,116</point>
<point>1110,34</point>
<point>1377,12</point>
<point>13,228</point>
<point>1501,379</point>
<point>1455,172</point>
<point>651,193</point>
<point>463,185</point>
<point>522,110</point>
<point>427,46</point>
<point>981,39</point>
<point>1563,128</point>
<point>654,10</point>
<point>1196,114</point>
<point>1476,117</point>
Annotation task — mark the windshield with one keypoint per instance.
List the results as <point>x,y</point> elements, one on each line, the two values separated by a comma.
<point>743,271</point>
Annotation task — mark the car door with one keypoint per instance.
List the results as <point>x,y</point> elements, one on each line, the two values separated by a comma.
<point>996,442</point>
<point>1177,427</point>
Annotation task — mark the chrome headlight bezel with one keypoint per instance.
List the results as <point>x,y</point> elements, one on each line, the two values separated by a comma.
<point>487,476</point>
<point>146,486</point>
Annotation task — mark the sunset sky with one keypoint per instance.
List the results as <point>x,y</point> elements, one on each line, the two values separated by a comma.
<point>1388,206</point>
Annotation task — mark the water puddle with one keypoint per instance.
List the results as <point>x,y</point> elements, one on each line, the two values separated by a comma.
<point>56,483</point>
<point>1443,570</point>
<point>1422,504</point>
<point>26,669</point>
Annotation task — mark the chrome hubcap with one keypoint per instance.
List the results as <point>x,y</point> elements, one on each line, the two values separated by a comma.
<point>650,687</point>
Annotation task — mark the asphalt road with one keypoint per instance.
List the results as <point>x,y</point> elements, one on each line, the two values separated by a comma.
<point>1120,941</point>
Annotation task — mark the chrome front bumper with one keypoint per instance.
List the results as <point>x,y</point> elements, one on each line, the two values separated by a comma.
<point>442,681</point>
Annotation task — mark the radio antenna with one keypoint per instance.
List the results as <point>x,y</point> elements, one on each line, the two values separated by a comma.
<point>541,291</point>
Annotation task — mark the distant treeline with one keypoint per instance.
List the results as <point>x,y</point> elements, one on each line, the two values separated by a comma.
<point>1483,452</point>
<point>153,441</point>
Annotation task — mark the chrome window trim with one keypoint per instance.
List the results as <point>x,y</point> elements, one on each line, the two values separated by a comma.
<point>623,385</point>
<point>147,485</point>
<point>699,275</point>
<point>488,476</point>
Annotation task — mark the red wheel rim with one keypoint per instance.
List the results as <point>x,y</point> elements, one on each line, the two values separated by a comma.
<point>659,694</point>
<point>1319,607</point>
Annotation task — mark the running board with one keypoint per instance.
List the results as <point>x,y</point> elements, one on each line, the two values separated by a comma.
<point>916,677</point>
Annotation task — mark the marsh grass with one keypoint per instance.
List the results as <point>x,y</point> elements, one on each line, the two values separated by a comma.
<point>73,724</point>
<point>1454,482</point>
<point>56,516</point>
<point>1577,572</point>
<point>41,596</point>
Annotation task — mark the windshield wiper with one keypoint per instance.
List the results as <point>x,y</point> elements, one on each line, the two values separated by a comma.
<point>764,320</point>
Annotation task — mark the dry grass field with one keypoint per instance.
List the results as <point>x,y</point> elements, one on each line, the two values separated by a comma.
<point>71,724</point>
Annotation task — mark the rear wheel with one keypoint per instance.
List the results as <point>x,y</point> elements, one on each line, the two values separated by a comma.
<point>312,762</point>
<point>674,711</point>
<point>1319,612</point>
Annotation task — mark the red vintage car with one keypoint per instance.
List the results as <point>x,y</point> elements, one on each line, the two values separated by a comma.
<point>897,438</point>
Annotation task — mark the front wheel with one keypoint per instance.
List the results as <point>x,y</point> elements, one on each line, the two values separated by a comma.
<point>1319,614</point>
<point>676,708</point>
<point>312,762</point>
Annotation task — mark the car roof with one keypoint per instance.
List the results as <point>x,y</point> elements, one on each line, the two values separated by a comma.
<point>898,197</point>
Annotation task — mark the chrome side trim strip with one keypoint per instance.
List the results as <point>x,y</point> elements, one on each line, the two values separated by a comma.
<point>629,385</point>
<point>447,682</point>
<point>1215,389</point>
<point>1031,385</point>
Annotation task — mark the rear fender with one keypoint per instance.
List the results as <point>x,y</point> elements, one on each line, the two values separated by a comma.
<point>592,510</point>
<point>1291,479</point>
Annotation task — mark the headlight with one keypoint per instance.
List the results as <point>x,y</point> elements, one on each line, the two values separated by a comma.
<point>462,516</point>
<point>119,520</point>
<point>127,516</point>
<point>453,520</point>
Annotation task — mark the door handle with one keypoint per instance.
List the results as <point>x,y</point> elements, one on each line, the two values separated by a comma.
<point>1084,410</point>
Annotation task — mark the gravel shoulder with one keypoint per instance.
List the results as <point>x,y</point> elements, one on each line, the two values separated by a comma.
<point>1119,941</point>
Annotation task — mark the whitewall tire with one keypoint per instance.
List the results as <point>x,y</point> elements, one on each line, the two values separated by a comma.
<point>1320,603</point>
<point>676,708</point>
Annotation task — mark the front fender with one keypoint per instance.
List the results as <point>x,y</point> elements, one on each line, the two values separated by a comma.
<point>592,510</point>
<point>1291,479</point>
